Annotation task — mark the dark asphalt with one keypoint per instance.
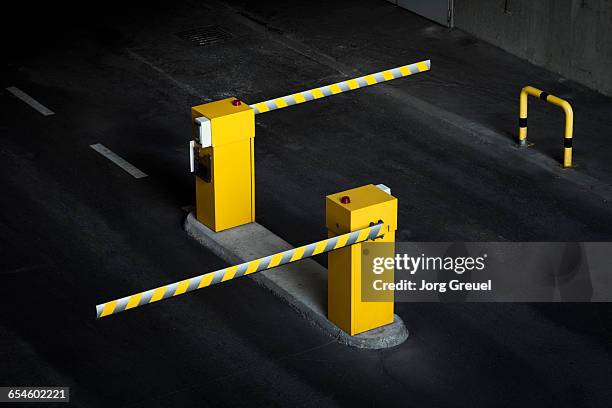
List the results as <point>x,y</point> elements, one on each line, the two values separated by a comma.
<point>76,230</point>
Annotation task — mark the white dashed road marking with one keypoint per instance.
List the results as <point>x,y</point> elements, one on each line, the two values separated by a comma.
<point>30,101</point>
<point>118,160</point>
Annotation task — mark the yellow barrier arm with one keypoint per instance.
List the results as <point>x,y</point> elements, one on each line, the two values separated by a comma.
<point>339,87</point>
<point>237,271</point>
<point>569,119</point>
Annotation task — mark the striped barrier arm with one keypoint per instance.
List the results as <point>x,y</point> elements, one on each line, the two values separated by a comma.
<point>237,271</point>
<point>340,87</point>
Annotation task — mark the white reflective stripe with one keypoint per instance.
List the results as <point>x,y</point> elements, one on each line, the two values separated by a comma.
<point>118,160</point>
<point>271,104</point>
<point>30,101</point>
<point>204,132</point>
<point>361,81</point>
<point>191,158</point>
<point>289,100</point>
<point>396,73</point>
<point>343,86</point>
<point>413,68</point>
<point>379,77</point>
<point>325,90</point>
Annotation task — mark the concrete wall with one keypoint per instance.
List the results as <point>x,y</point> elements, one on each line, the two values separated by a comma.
<point>570,37</point>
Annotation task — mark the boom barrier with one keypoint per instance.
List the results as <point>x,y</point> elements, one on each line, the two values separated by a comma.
<point>237,271</point>
<point>339,87</point>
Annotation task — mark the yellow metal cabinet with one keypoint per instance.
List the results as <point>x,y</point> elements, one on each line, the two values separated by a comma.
<point>223,133</point>
<point>349,211</point>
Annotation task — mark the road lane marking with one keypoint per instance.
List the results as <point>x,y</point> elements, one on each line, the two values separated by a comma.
<point>30,101</point>
<point>100,148</point>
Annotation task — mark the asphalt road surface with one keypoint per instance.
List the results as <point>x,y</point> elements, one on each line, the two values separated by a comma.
<point>76,229</point>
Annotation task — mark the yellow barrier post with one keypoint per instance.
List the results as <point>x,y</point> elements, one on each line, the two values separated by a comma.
<point>353,217</point>
<point>222,158</point>
<point>569,120</point>
<point>222,153</point>
<point>349,211</point>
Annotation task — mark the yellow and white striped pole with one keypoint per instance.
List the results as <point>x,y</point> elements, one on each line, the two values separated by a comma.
<point>340,87</point>
<point>237,271</point>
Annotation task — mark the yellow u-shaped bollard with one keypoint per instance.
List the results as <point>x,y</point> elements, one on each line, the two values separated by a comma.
<point>569,120</point>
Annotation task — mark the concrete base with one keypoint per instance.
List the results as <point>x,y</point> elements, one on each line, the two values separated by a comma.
<point>302,284</point>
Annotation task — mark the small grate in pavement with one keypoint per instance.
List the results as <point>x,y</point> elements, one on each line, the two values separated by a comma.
<point>205,36</point>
